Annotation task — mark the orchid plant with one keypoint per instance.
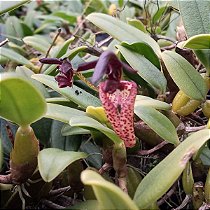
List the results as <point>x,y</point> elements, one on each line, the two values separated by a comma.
<point>123,111</point>
<point>117,96</point>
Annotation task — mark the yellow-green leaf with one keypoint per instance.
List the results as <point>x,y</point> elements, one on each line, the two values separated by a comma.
<point>168,170</point>
<point>52,161</point>
<point>122,31</point>
<point>108,195</point>
<point>185,75</point>
<point>20,102</point>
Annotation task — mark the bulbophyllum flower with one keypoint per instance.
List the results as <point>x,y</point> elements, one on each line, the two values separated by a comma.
<point>117,96</point>
<point>119,108</point>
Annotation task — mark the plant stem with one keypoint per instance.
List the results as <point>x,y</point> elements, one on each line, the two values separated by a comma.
<point>147,152</point>
<point>48,51</point>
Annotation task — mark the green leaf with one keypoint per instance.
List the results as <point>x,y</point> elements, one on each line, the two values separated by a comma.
<point>185,75</point>
<point>150,102</point>
<point>16,57</point>
<point>11,5</point>
<point>201,41</point>
<point>52,162</point>
<point>122,31</point>
<point>64,47</point>
<point>168,170</point>
<point>95,157</point>
<point>62,113</point>
<point>14,29</point>
<point>21,102</point>
<point>67,16</point>
<point>95,5</point>
<point>88,122</point>
<point>67,143</point>
<point>158,122</point>
<point>145,68</point>
<point>27,73</point>
<point>108,195</point>
<point>84,99</point>
<point>204,57</point>
<point>195,15</point>
<point>145,50</point>
<point>137,24</point>
<point>205,156</point>
<point>38,42</point>
<point>159,14</point>
<point>68,130</point>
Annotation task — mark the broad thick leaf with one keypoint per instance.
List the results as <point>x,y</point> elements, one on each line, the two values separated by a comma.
<point>150,102</point>
<point>205,156</point>
<point>108,195</point>
<point>145,50</point>
<point>52,162</point>
<point>201,41</point>
<point>67,16</point>
<point>68,130</point>
<point>14,29</point>
<point>88,122</point>
<point>95,157</point>
<point>11,5</point>
<point>122,31</point>
<point>38,42</point>
<point>195,16</point>
<point>64,47</point>
<point>95,5</point>
<point>21,102</point>
<point>27,73</point>
<point>137,24</point>
<point>16,57</point>
<point>62,113</point>
<point>67,143</point>
<point>42,130</point>
<point>145,68</point>
<point>84,99</point>
<point>168,170</point>
<point>158,122</point>
<point>6,142</point>
<point>185,75</point>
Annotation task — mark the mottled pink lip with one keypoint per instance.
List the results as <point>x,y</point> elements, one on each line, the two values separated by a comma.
<point>119,108</point>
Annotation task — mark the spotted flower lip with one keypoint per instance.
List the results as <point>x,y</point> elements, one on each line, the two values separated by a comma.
<point>119,108</point>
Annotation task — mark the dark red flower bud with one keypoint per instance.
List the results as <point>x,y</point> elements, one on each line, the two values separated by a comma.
<point>51,61</point>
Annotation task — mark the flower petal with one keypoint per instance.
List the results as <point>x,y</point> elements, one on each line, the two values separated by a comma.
<point>66,67</point>
<point>119,107</point>
<point>63,81</point>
